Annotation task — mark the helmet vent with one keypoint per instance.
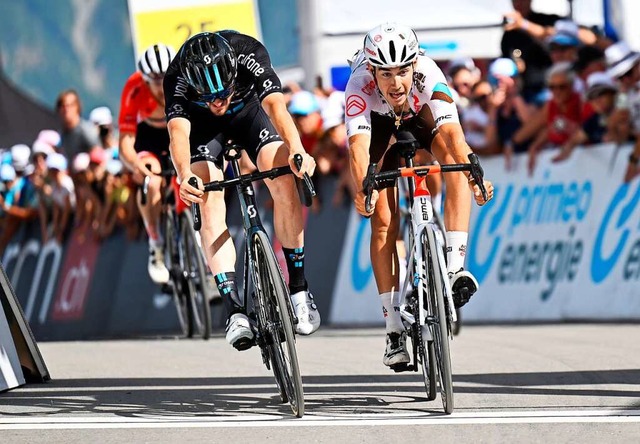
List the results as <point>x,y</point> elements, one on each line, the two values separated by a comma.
<point>384,61</point>
<point>392,50</point>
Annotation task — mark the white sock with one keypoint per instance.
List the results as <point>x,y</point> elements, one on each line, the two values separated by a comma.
<point>456,250</point>
<point>391,311</point>
<point>155,243</point>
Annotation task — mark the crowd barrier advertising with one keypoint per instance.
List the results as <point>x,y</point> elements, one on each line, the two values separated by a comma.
<point>562,244</point>
<point>172,22</point>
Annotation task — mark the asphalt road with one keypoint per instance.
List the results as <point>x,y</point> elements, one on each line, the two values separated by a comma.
<point>554,383</point>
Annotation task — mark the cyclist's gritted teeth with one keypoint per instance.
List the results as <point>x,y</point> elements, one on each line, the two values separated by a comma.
<point>397,96</point>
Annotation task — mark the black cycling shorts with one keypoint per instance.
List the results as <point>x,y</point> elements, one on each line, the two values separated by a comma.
<point>153,140</point>
<point>421,126</point>
<point>249,127</point>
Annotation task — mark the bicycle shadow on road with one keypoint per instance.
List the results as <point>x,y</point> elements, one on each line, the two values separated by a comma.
<point>325,394</point>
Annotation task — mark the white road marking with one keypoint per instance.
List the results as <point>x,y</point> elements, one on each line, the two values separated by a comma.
<point>310,420</point>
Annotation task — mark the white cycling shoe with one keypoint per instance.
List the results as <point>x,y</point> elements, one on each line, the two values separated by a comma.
<point>239,333</point>
<point>157,269</point>
<point>396,352</point>
<point>463,286</point>
<point>306,312</point>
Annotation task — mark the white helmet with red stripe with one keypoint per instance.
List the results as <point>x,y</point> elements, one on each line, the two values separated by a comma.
<point>391,45</point>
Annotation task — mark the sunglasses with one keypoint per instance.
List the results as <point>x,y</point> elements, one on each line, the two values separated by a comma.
<point>558,86</point>
<point>206,99</point>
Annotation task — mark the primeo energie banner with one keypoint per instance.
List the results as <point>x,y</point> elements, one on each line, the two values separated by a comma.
<point>173,21</point>
<point>563,244</point>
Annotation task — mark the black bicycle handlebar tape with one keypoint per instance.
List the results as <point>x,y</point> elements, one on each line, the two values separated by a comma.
<point>477,173</point>
<point>145,190</point>
<point>308,190</point>
<point>195,208</point>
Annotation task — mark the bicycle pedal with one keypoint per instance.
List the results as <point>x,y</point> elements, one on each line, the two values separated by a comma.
<point>243,344</point>
<point>404,367</point>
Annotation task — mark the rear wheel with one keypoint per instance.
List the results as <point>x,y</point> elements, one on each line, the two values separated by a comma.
<point>196,277</point>
<point>438,322</point>
<point>273,296</point>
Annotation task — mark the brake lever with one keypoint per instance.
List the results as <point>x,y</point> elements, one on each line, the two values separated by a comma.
<point>477,173</point>
<point>195,208</point>
<point>309,189</point>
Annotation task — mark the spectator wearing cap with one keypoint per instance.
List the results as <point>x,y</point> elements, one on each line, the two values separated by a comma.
<point>526,32</point>
<point>564,43</point>
<point>305,110</point>
<point>561,116</point>
<point>623,64</point>
<point>7,178</point>
<point>50,137</point>
<point>601,93</point>
<point>62,195</point>
<point>463,74</point>
<point>102,118</point>
<point>77,135</point>
<point>511,110</point>
<point>21,203</point>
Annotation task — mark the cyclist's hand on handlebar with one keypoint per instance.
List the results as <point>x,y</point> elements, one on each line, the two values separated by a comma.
<point>190,194</point>
<point>308,164</point>
<point>360,201</point>
<point>142,168</point>
<point>477,193</point>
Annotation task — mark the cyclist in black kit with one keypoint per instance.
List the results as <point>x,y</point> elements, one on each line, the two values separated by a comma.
<point>222,86</point>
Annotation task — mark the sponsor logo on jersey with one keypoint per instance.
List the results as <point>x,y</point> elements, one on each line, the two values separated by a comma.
<point>181,88</point>
<point>445,117</point>
<point>364,127</point>
<point>418,80</point>
<point>441,92</point>
<point>355,105</point>
<point>369,88</point>
<point>251,64</point>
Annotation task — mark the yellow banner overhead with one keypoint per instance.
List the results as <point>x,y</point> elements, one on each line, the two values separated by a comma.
<point>172,22</point>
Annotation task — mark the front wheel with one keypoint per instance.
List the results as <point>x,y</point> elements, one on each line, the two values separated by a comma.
<point>273,296</point>
<point>435,301</point>
<point>179,287</point>
<point>196,276</point>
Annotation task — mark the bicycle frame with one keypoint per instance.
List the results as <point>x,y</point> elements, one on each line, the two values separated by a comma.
<point>422,215</point>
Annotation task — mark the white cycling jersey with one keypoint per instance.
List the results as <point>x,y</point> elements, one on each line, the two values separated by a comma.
<point>429,88</point>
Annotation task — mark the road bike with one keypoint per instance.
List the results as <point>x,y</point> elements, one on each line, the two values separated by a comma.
<point>271,313</point>
<point>426,302</point>
<point>188,283</point>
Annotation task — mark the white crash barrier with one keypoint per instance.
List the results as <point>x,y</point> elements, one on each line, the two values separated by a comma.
<point>20,358</point>
<point>562,244</point>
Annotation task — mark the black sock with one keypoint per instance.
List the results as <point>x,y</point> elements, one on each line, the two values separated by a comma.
<point>226,283</point>
<point>295,267</point>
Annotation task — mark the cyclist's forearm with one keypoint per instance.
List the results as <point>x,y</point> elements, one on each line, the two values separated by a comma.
<point>358,160</point>
<point>455,142</point>
<point>180,148</point>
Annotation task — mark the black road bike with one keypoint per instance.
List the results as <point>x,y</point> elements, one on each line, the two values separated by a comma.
<point>271,313</point>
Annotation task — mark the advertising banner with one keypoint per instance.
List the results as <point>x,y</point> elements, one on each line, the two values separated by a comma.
<point>172,22</point>
<point>561,244</point>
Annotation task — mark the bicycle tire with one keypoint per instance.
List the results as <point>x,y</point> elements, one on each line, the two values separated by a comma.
<point>279,329</point>
<point>423,349</point>
<point>173,262</point>
<point>196,278</point>
<point>439,324</point>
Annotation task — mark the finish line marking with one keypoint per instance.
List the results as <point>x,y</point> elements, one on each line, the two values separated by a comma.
<point>466,418</point>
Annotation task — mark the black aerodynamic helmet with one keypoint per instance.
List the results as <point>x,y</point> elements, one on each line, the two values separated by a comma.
<point>209,65</point>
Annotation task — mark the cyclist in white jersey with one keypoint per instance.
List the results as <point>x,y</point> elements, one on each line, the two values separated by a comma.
<point>390,84</point>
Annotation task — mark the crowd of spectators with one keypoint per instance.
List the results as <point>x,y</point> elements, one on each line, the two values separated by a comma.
<point>557,84</point>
